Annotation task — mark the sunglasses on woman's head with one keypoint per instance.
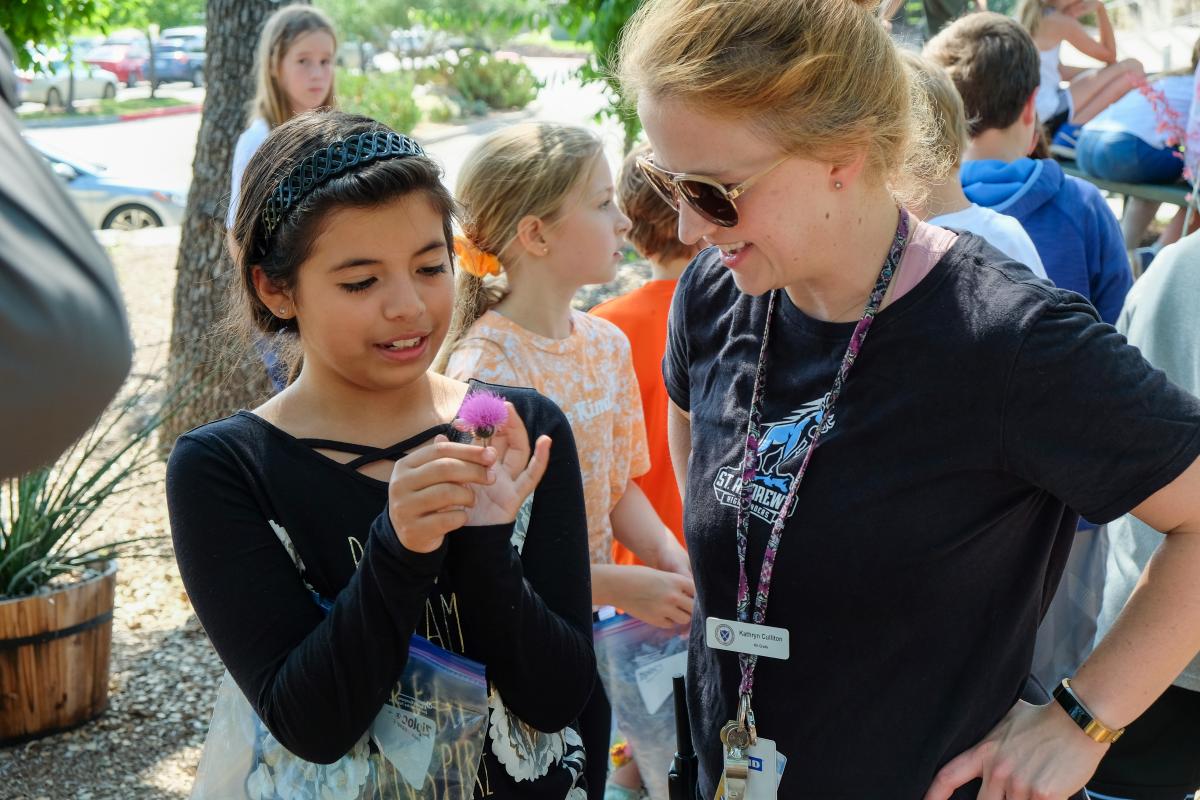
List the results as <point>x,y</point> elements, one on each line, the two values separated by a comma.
<point>706,196</point>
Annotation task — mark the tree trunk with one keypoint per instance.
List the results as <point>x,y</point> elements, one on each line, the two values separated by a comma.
<point>218,375</point>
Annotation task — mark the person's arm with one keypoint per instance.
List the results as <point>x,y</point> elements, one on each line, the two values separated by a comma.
<point>1039,748</point>
<point>637,526</point>
<point>1109,275</point>
<point>64,340</point>
<point>529,614</point>
<point>1092,423</point>
<point>679,441</point>
<point>1072,31</point>
<point>316,681</point>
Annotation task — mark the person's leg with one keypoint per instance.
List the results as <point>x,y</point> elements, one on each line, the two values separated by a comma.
<point>1137,217</point>
<point>1094,91</point>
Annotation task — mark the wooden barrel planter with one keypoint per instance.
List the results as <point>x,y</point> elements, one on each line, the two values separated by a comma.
<point>54,654</point>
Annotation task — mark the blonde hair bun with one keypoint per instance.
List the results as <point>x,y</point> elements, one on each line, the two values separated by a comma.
<point>821,78</point>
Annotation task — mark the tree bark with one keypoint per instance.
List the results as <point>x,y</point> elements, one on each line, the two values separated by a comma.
<point>215,373</point>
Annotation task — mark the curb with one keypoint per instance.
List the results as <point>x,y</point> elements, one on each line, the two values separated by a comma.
<point>110,119</point>
<point>169,111</point>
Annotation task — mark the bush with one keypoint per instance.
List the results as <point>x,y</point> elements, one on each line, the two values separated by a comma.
<point>386,97</point>
<point>479,78</point>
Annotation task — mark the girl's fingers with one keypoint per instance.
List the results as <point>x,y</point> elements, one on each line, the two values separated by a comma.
<point>444,448</point>
<point>436,498</point>
<point>528,480</point>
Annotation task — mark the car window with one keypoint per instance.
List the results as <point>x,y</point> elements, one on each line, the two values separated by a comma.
<point>107,53</point>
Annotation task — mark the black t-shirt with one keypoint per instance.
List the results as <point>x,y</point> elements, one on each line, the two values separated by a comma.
<point>318,681</point>
<point>933,524</point>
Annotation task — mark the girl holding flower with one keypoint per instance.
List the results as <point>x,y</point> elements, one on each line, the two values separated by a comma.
<point>354,487</point>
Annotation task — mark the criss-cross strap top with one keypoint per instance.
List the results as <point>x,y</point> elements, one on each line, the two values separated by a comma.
<point>369,455</point>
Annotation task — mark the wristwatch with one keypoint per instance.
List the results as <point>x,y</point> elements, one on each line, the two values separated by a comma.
<point>1094,729</point>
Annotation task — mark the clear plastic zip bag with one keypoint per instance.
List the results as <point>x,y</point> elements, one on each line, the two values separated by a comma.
<point>637,662</point>
<point>425,743</point>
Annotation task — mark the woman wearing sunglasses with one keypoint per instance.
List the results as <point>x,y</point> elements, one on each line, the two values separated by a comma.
<point>883,431</point>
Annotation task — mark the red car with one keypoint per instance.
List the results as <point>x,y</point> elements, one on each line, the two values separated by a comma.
<point>126,61</point>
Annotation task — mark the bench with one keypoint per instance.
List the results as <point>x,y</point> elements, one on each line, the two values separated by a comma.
<point>1173,193</point>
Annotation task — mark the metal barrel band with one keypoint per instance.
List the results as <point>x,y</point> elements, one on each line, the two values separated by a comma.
<point>50,636</point>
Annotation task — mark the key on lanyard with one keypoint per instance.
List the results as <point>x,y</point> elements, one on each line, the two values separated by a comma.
<point>736,738</point>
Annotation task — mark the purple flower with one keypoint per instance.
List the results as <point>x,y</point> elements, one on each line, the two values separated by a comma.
<point>483,413</point>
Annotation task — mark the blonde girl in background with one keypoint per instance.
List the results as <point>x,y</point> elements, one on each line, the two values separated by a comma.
<point>540,221</point>
<point>1089,91</point>
<point>294,68</point>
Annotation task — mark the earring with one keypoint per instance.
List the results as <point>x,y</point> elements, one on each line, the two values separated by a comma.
<point>545,251</point>
<point>282,311</point>
<point>837,184</point>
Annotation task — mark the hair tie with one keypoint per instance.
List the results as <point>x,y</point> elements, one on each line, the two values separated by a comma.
<point>474,261</point>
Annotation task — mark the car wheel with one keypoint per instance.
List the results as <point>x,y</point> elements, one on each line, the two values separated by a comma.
<point>110,91</point>
<point>198,78</point>
<point>131,217</point>
<point>53,99</point>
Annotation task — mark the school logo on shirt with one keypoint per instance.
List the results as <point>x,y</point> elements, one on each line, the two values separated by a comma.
<point>783,443</point>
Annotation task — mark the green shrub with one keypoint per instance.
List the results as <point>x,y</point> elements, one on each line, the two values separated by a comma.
<point>482,79</point>
<point>384,96</point>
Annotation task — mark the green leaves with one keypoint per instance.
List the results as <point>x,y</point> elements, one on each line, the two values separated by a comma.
<point>601,22</point>
<point>387,97</point>
<point>480,78</point>
<point>49,23</point>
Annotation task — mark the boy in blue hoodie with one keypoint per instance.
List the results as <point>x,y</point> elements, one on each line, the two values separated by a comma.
<point>994,64</point>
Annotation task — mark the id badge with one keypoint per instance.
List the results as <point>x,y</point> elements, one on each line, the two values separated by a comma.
<point>748,638</point>
<point>762,775</point>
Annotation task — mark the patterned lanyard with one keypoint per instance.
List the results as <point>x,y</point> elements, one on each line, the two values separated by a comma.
<point>750,458</point>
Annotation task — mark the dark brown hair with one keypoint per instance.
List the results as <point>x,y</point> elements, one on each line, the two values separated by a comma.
<point>654,223</point>
<point>281,254</point>
<point>994,65</point>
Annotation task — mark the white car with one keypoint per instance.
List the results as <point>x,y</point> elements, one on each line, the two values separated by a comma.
<point>109,201</point>
<point>50,85</point>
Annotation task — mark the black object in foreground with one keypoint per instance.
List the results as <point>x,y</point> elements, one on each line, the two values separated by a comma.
<point>681,779</point>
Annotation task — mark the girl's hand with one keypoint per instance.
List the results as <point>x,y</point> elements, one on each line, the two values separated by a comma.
<point>663,599</point>
<point>515,475</point>
<point>1035,753</point>
<point>673,558</point>
<point>429,493</point>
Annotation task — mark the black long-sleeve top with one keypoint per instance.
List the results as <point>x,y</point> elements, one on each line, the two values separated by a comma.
<point>318,681</point>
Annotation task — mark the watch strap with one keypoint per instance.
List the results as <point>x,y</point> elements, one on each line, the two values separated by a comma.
<point>1093,728</point>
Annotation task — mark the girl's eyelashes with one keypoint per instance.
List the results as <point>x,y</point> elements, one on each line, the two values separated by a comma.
<point>366,283</point>
<point>360,286</point>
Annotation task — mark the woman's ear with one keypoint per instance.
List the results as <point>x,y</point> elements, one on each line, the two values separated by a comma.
<point>842,175</point>
<point>531,235</point>
<point>278,301</point>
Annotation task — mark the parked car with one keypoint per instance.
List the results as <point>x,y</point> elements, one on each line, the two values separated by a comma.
<point>127,61</point>
<point>108,201</point>
<point>49,82</point>
<point>179,60</point>
<point>82,45</point>
<point>184,32</point>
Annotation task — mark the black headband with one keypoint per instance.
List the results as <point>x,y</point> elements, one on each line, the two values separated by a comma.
<point>327,163</point>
